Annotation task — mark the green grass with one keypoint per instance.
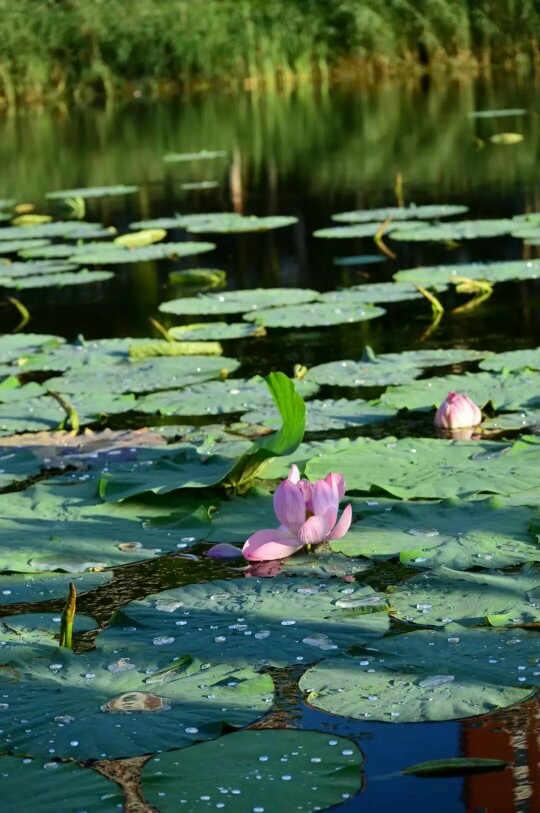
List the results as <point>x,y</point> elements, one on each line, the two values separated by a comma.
<point>80,47</point>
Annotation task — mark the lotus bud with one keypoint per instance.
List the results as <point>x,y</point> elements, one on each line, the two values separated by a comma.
<point>457,412</point>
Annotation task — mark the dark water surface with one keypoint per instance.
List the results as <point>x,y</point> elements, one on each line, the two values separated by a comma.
<point>309,154</point>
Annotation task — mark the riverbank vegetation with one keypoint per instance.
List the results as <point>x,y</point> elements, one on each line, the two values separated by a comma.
<point>59,48</point>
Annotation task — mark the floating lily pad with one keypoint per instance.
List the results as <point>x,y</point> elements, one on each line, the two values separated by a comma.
<point>255,622</point>
<point>220,331</point>
<point>429,212</point>
<point>455,231</point>
<point>376,292</point>
<point>63,525</point>
<point>199,185</point>
<point>71,229</point>
<point>121,706</point>
<point>55,783</point>
<point>360,259</point>
<point>217,397</point>
<point>34,268</point>
<point>15,345</point>
<point>237,301</point>
<point>329,415</point>
<point>202,155</point>
<point>433,469</point>
<point>17,589</point>
<point>145,237</point>
<point>491,272</point>
<point>363,229</point>
<point>456,534</point>
<point>39,628</point>
<point>455,766</point>
<point>176,222</point>
<point>315,314</point>
<point>313,771</point>
<point>239,224</point>
<point>504,391</point>
<point>446,596</point>
<point>426,676</point>
<point>62,280</point>
<point>17,465</point>
<point>494,114</point>
<point>13,246</point>
<point>514,421</point>
<point>144,375</point>
<point>92,192</point>
<point>513,360</point>
<point>111,254</point>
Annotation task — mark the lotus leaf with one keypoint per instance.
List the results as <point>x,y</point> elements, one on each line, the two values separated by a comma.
<point>92,192</point>
<point>433,469</point>
<point>17,589</point>
<point>502,271</point>
<point>375,292</point>
<point>202,155</point>
<point>362,229</point>
<point>70,229</point>
<point>513,360</point>
<point>314,314</point>
<point>328,415</point>
<point>360,259</point>
<point>493,114</point>
<point>145,237</point>
<point>237,301</point>
<point>323,771</point>
<point>455,231</point>
<point>220,331</point>
<point>427,676</point>
<point>15,345</point>
<point>239,224</point>
<point>113,706</point>
<point>55,782</point>
<point>34,268</point>
<point>255,622</point>
<point>110,254</point>
<point>13,246</point>
<point>38,628</point>
<point>429,212</point>
<point>83,277</point>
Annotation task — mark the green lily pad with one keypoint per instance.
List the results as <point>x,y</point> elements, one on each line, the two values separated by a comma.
<point>122,706</point>
<point>64,279</point>
<point>446,596</point>
<point>13,246</point>
<point>58,251</point>
<point>455,766</point>
<point>92,192</point>
<point>144,375</point>
<point>34,268</point>
<point>360,259</point>
<point>433,469</point>
<point>493,114</point>
<point>492,272</point>
<point>429,212</point>
<point>70,229</point>
<point>111,254</point>
<point>237,301</point>
<point>56,782</point>
<point>217,398</point>
<point>231,223</point>
<point>17,465</point>
<point>456,534</point>
<point>375,292</point>
<point>199,185</point>
<point>513,360</point>
<point>513,421</point>
<point>17,589</point>
<point>220,331</point>
<point>510,391</point>
<point>329,415</point>
<point>176,222</point>
<point>455,231</point>
<point>15,345</point>
<point>39,628</point>
<point>362,229</point>
<point>63,525</point>
<point>255,622</point>
<point>322,563</point>
<point>202,155</point>
<point>323,771</point>
<point>315,314</point>
<point>427,676</point>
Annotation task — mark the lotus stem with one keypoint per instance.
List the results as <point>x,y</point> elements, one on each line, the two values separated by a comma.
<point>25,313</point>
<point>72,416</point>
<point>68,614</point>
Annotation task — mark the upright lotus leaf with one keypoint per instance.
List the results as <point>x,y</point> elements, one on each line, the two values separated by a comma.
<point>99,705</point>
<point>429,212</point>
<point>15,345</point>
<point>455,231</point>
<point>328,415</point>
<point>63,525</point>
<point>62,786</point>
<point>28,588</point>
<point>285,441</point>
<point>111,254</point>
<point>252,622</point>
<point>454,533</point>
<point>216,397</point>
<point>306,767</point>
<point>446,596</point>
<point>314,314</point>
<point>359,230</point>
<point>215,331</point>
<point>70,229</point>
<point>513,360</point>
<point>231,223</point>
<point>509,391</point>
<point>500,271</point>
<point>83,277</point>
<point>144,375</point>
<point>202,155</point>
<point>92,192</point>
<point>430,468</point>
<point>38,628</point>
<point>237,301</point>
<point>428,676</point>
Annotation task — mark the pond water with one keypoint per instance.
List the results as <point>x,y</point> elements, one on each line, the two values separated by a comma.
<point>308,154</point>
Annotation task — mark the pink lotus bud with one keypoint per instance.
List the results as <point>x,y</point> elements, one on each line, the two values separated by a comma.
<point>457,412</point>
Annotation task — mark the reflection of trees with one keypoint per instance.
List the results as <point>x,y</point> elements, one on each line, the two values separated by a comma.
<point>514,736</point>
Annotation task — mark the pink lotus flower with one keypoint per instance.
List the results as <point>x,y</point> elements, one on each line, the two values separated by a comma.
<point>308,513</point>
<point>457,412</point>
